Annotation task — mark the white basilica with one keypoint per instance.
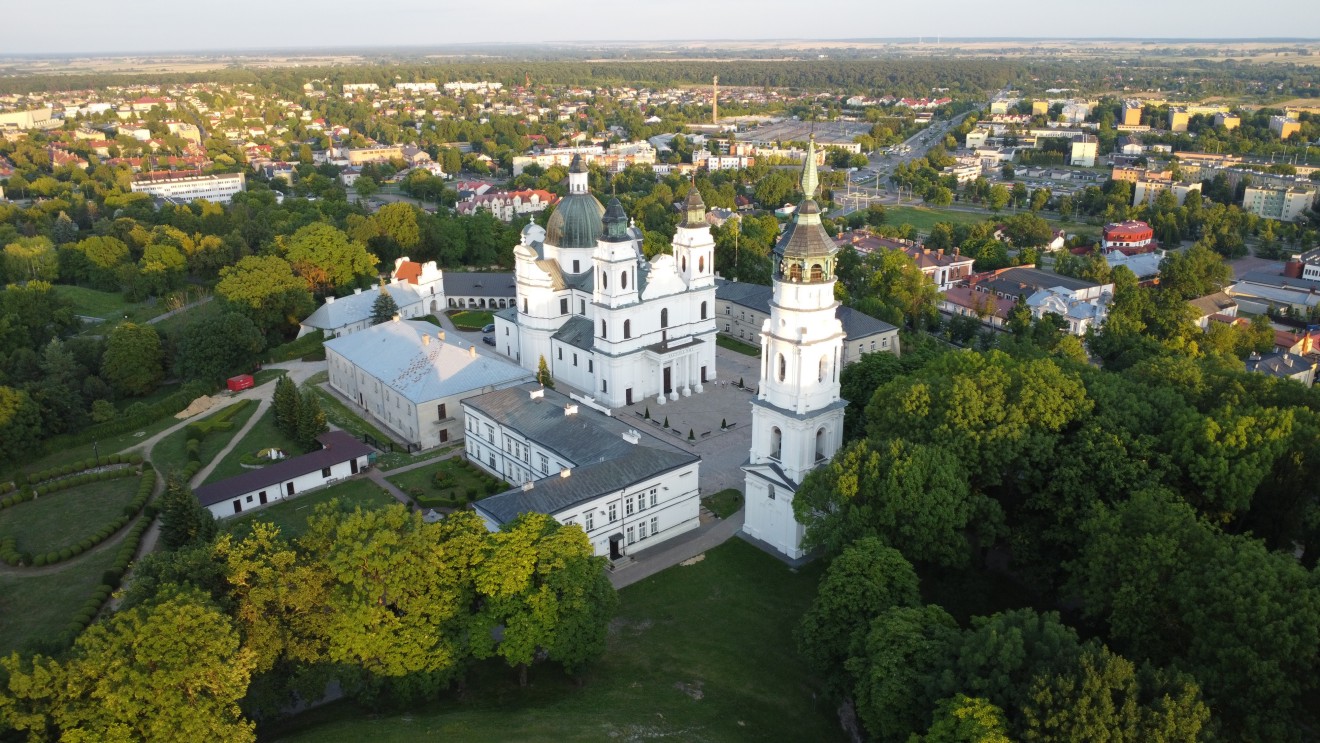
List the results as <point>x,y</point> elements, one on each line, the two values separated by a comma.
<point>606,320</point>
<point>797,416</point>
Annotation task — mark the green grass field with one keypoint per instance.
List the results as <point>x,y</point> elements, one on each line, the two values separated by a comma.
<point>108,445</point>
<point>66,517</point>
<point>291,515</point>
<point>420,483</point>
<point>724,503</point>
<point>734,344</point>
<point>263,435</point>
<point>697,653</point>
<point>471,319</point>
<point>171,453</point>
<point>924,218</point>
<point>39,608</point>
<point>109,306</point>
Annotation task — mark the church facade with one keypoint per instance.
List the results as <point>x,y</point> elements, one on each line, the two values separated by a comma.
<point>606,320</point>
<point>797,415</point>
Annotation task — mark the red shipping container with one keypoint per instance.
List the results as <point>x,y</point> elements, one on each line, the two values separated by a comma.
<point>241,382</point>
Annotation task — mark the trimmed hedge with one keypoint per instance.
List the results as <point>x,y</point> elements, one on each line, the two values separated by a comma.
<point>10,554</point>
<point>110,580</point>
<point>136,416</point>
<point>86,464</point>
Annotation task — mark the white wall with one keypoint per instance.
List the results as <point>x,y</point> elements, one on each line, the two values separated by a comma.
<point>280,491</point>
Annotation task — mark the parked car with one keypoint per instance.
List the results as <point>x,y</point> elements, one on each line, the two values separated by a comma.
<point>489,329</point>
<point>488,340</point>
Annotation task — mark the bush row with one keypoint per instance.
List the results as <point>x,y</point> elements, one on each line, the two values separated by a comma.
<point>110,580</point>
<point>137,415</point>
<point>10,554</point>
<point>86,464</point>
<point>5,487</point>
<point>76,480</point>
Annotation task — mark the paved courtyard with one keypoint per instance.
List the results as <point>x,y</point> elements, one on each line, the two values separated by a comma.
<point>722,451</point>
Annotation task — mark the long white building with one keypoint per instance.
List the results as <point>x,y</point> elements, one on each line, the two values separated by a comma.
<point>407,377</point>
<point>604,318</point>
<point>218,188</point>
<point>626,489</point>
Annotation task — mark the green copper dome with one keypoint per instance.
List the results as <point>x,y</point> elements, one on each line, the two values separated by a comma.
<point>576,222</point>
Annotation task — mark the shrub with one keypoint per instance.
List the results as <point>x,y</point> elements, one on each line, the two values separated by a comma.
<point>112,577</point>
<point>39,560</point>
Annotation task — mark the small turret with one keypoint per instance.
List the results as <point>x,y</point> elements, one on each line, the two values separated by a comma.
<point>694,209</point>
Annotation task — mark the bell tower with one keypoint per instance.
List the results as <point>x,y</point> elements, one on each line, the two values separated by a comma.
<point>797,416</point>
<point>694,247</point>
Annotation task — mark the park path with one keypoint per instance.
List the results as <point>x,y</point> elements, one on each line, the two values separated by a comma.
<point>378,476</point>
<point>648,562</point>
<point>184,308</point>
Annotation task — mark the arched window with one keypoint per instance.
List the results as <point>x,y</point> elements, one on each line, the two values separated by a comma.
<point>684,262</point>
<point>701,264</point>
<point>776,442</point>
<point>824,368</point>
<point>524,305</point>
<point>817,273</point>
<point>783,367</point>
<point>603,329</point>
<point>795,273</point>
<point>664,317</point>
<point>820,444</point>
<point>623,279</point>
<point>604,280</point>
<point>627,329</point>
<point>703,310</point>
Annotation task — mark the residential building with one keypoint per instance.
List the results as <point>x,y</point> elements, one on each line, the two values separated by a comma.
<point>603,317</point>
<point>1146,192</point>
<point>416,288</point>
<point>15,122</point>
<point>797,414</point>
<point>1178,119</point>
<point>992,310</point>
<point>509,205</point>
<point>1213,307</point>
<point>1083,151</point>
<point>377,154</point>
<point>944,269</point>
<point>626,489</point>
<point>1228,121</point>
<point>1284,126</point>
<point>186,188</point>
<point>1082,304</point>
<point>1132,175</point>
<point>742,309</point>
<point>1131,113</point>
<point>1283,204</point>
<point>1259,291</point>
<point>407,377</point>
<point>1131,236</point>
<point>340,456</point>
<point>1283,365</point>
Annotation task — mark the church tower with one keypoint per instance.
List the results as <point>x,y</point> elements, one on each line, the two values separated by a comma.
<point>797,416</point>
<point>694,247</point>
<point>615,261</point>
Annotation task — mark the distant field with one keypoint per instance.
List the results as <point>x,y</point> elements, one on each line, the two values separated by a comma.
<point>924,218</point>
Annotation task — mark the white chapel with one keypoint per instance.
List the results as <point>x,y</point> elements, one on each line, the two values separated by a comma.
<point>797,415</point>
<point>606,320</point>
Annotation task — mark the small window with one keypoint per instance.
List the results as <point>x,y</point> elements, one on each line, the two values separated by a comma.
<point>632,535</point>
<point>783,367</point>
<point>770,492</point>
<point>655,524</point>
<point>627,506</point>
<point>524,305</point>
<point>589,366</point>
<point>653,503</point>
<point>249,499</point>
<point>604,280</point>
<point>589,520</point>
<point>664,317</point>
<point>623,279</point>
<point>614,512</point>
<point>574,359</point>
<point>703,310</point>
<point>563,305</point>
<point>325,472</point>
<point>576,269</point>
<point>442,411</point>
<point>604,329</point>
<point>604,385</point>
<point>701,264</point>
<point>561,353</point>
<point>582,306</point>
<point>627,329</point>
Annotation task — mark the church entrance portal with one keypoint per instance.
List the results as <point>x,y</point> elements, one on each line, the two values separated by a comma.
<point>669,380</point>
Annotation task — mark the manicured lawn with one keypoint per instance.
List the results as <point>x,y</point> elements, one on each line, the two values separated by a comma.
<point>471,319</point>
<point>108,445</point>
<point>736,345</point>
<point>39,608</point>
<point>291,515</point>
<point>66,517</point>
<point>474,484</point>
<point>109,306</point>
<point>171,452</point>
<point>262,436</point>
<point>923,218</point>
<point>724,503</point>
<point>697,653</point>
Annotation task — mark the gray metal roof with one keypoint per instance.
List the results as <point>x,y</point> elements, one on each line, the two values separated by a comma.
<point>460,284</point>
<point>576,222</point>
<point>395,353</point>
<point>578,332</point>
<point>357,307</point>
<point>1023,281</point>
<point>554,494</point>
<point>336,447</point>
<point>757,297</point>
<point>805,236</point>
<point>585,437</point>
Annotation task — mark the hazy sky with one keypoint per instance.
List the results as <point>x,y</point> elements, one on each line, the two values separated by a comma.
<point>73,26</point>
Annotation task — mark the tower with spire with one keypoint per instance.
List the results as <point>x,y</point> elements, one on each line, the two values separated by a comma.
<point>797,416</point>
<point>694,246</point>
